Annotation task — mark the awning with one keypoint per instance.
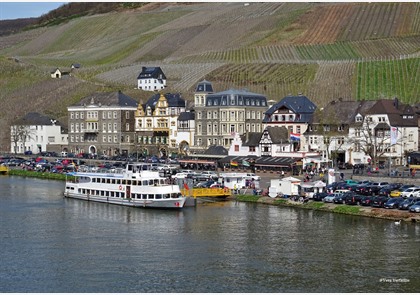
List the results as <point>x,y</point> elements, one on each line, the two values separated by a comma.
<point>208,162</point>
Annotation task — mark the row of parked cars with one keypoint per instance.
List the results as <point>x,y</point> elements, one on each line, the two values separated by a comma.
<point>375,194</point>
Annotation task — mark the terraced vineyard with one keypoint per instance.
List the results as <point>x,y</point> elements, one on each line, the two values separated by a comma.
<point>356,22</point>
<point>389,78</point>
<point>324,50</point>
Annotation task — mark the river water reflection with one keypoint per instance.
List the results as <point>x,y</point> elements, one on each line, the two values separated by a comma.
<point>52,244</point>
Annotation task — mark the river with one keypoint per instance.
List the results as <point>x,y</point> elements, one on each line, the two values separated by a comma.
<point>53,244</point>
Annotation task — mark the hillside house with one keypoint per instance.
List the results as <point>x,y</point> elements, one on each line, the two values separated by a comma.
<point>151,79</point>
<point>58,74</point>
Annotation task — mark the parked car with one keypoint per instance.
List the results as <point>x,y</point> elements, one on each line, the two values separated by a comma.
<point>397,192</point>
<point>366,201</point>
<point>339,198</point>
<point>334,186</point>
<point>205,184</point>
<point>386,190</point>
<point>362,187</point>
<point>379,201</point>
<point>352,182</point>
<point>375,187</point>
<point>405,205</point>
<point>353,199</point>
<point>319,196</point>
<point>415,207</point>
<point>330,198</point>
<point>393,203</point>
<point>410,192</point>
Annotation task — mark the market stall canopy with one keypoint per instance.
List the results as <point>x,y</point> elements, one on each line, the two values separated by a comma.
<point>318,183</point>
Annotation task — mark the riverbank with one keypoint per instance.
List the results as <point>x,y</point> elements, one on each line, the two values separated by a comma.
<point>391,214</point>
<point>36,174</point>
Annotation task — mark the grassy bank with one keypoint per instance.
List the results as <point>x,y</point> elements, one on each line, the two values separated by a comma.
<point>44,175</point>
<point>341,209</point>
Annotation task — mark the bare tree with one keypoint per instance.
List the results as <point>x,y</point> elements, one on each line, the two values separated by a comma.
<point>372,139</point>
<point>20,133</point>
<point>331,131</point>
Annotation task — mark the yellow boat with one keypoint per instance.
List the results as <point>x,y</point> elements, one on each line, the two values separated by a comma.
<point>207,192</point>
<point>4,169</point>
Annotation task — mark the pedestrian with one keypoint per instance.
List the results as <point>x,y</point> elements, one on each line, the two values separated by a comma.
<point>282,173</point>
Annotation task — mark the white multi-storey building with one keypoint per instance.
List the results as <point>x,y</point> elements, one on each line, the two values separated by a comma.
<point>360,132</point>
<point>37,133</point>
<point>151,79</point>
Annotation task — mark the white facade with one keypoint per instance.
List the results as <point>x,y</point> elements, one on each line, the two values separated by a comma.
<point>151,84</point>
<point>184,138</point>
<point>38,138</point>
<point>238,149</point>
<point>405,142</point>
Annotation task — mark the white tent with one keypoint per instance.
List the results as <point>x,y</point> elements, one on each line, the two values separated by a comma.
<point>286,186</point>
<point>310,188</point>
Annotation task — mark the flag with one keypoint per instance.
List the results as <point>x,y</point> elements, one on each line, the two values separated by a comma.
<point>233,163</point>
<point>245,163</point>
<point>186,186</point>
<point>294,136</point>
<point>394,135</point>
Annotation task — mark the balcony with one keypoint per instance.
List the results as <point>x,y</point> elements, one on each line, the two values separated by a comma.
<point>90,130</point>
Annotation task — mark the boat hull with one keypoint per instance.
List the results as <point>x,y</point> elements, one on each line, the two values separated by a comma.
<point>173,203</point>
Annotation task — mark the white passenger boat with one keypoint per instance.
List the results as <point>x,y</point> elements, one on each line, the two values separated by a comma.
<point>138,186</point>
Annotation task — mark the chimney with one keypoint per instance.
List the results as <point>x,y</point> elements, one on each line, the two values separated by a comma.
<point>396,102</point>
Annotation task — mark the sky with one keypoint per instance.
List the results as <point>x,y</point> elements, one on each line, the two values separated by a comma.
<point>14,10</point>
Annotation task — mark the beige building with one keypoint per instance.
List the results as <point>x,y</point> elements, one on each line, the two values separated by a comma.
<point>220,116</point>
<point>156,124</point>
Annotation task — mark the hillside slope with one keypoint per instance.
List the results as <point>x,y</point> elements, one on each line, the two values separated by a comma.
<point>324,50</point>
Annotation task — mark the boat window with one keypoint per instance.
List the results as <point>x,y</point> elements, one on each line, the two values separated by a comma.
<point>158,196</point>
<point>123,181</point>
<point>144,196</point>
<point>156,182</point>
<point>144,182</point>
<point>112,194</point>
<point>129,167</point>
<point>151,182</point>
<point>166,196</point>
<point>108,180</point>
<point>150,197</point>
<point>129,182</point>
